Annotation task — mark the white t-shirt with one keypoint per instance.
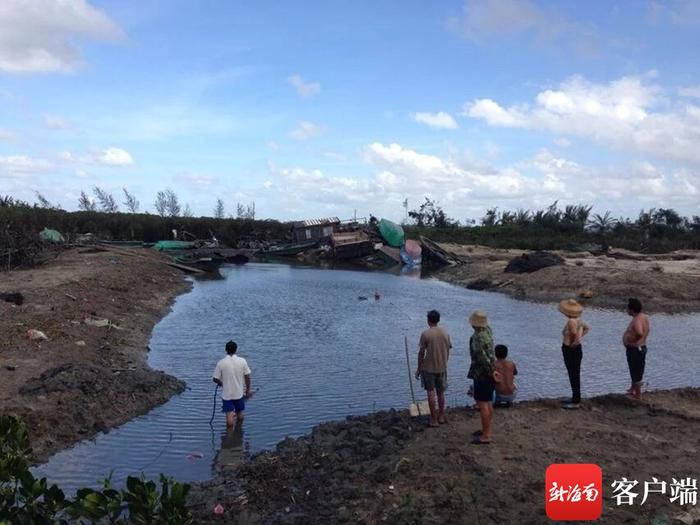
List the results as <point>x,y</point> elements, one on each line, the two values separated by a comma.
<point>231,370</point>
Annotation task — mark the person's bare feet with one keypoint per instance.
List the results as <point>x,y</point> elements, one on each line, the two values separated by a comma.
<point>433,424</point>
<point>443,420</point>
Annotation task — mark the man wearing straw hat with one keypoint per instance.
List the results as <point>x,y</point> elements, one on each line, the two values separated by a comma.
<point>574,331</point>
<point>481,371</point>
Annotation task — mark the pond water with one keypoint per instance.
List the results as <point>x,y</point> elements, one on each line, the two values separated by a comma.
<point>319,353</point>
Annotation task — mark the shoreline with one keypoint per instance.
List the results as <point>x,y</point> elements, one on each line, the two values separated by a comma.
<point>668,283</point>
<point>389,467</point>
<point>84,379</point>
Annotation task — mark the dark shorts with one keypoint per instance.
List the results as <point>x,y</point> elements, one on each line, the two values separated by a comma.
<point>484,389</point>
<point>434,381</point>
<point>229,405</point>
<point>636,360</point>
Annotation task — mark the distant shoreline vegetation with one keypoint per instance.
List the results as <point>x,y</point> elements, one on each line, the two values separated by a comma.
<point>574,227</point>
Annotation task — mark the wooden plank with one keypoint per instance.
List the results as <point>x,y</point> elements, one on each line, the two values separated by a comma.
<point>184,267</point>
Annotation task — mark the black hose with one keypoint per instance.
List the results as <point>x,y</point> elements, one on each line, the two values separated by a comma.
<point>213,410</point>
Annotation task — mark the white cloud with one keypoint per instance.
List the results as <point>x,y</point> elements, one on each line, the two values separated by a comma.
<point>304,89</point>
<point>440,120</point>
<point>494,114</point>
<point>54,122</point>
<point>404,169</point>
<point>14,164</point>
<point>305,130</point>
<point>40,35</point>
<point>562,142</point>
<point>113,157</point>
<point>628,113</point>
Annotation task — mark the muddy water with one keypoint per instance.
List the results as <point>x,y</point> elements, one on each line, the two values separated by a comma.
<point>319,353</point>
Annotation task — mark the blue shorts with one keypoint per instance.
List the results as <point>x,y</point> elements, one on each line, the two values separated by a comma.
<point>229,405</point>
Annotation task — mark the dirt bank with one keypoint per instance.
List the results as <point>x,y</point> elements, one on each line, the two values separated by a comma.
<point>664,283</point>
<point>387,467</point>
<point>84,378</point>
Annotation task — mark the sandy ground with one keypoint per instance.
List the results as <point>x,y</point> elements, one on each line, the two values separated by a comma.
<point>664,283</point>
<point>389,468</point>
<point>83,379</point>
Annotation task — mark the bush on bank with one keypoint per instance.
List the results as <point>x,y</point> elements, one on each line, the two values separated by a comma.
<point>26,500</point>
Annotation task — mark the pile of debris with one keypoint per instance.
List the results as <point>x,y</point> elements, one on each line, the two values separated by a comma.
<point>532,262</point>
<point>374,243</point>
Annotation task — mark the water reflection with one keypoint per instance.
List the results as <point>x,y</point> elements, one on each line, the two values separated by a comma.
<point>233,448</point>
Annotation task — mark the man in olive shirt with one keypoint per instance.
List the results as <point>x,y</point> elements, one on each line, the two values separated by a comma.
<point>433,353</point>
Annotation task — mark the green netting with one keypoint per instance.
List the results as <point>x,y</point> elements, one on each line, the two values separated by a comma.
<point>173,245</point>
<point>51,235</point>
<point>392,233</point>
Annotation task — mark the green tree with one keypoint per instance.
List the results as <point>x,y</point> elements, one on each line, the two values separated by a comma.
<point>130,201</point>
<point>85,204</point>
<point>219,211</point>
<point>106,200</point>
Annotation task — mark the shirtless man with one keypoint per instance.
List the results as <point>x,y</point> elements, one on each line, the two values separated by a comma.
<point>635,341</point>
<point>504,375</point>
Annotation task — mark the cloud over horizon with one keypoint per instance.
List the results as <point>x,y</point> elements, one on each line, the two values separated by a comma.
<point>40,36</point>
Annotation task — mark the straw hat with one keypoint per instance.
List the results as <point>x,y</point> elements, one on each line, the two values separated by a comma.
<point>478,319</point>
<point>570,308</point>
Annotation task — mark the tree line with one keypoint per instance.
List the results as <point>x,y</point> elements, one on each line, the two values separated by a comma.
<point>167,204</point>
<point>553,227</point>
<point>571,217</point>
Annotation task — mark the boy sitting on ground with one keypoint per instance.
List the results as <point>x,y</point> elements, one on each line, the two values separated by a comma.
<point>504,375</point>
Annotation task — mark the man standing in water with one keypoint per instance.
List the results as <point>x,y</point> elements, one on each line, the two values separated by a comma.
<point>233,376</point>
<point>635,341</point>
<point>433,353</point>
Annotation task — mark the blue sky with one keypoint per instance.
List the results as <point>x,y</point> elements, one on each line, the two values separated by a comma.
<point>331,107</point>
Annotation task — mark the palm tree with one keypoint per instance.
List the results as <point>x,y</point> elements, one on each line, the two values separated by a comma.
<point>522,217</point>
<point>602,223</point>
